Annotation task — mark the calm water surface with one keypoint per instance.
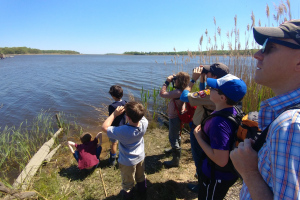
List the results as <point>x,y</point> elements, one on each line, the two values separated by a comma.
<point>73,84</point>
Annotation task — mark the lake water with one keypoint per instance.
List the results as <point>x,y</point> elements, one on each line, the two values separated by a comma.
<point>75,84</point>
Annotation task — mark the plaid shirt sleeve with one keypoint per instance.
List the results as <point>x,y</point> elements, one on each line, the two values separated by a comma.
<point>279,158</point>
<point>284,153</point>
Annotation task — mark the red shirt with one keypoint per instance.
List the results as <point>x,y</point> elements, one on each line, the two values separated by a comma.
<point>87,154</point>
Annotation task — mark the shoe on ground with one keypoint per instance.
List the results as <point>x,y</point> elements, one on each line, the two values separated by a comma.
<point>193,187</point>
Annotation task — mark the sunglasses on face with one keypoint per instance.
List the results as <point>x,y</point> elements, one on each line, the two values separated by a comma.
<point>219,91</point>
<point>266,47</point>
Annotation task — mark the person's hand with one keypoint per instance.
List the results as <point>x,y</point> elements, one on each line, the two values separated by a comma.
<point>197,131</point>
<point>245,159</point>
<point>197,72</point>
<point>169,79</point>
<point>119,110</point>
<point>99,134</point>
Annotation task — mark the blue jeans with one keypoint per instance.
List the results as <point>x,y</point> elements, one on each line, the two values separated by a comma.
<point>196,149</point>
<point>98,152</point>
<point>174,132</point>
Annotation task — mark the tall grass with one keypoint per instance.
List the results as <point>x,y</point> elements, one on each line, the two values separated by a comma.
<point>240,61</point>
<point>19,144</point>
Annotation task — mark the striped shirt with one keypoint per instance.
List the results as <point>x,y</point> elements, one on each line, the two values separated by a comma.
<point>279,158</point>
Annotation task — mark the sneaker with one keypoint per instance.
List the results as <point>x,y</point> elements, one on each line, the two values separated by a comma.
<point>193,187</point>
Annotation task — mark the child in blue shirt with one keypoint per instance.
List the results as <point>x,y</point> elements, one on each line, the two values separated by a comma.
<point>131,148</point>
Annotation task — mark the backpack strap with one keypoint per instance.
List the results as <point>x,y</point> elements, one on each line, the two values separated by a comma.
<point>262,138</point>
<point>236,119</point>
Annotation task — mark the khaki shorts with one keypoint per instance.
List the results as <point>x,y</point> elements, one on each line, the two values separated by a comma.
<point>129,174</point>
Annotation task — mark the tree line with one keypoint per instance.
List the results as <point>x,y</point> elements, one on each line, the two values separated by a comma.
<point>212,52</point>
<point>26,50</point>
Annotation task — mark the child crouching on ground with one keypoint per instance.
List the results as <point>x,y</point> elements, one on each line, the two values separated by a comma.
<point>216,136</point>
<point>87,153</point>
<point>131,146</point>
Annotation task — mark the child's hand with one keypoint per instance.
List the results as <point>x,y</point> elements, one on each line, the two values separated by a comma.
<point>119,110</point>
<point>197,72</point>
<point>99,134</point>
<point>170,78</point>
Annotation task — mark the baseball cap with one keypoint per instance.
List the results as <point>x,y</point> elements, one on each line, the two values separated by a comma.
<point>218,69</point>
<point>287,30</point>
<point>233,87</point>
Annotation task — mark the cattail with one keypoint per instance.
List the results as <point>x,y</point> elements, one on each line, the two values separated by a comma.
<point>219,31</point>
<point>214,20</point>
<point>253,19</point>
<point>201,40</point>
<point>259,24</point>
<point>289,6</point>
<point>268,11</point>
<point>206,32</point>
<point>235,20</point>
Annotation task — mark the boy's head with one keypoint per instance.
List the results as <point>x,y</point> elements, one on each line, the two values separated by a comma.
<point>182,80</point>
<point>135,111</point>
<point>217,69</point>
<point>116,91</point>
<point>85,137</point>
<point>232,87</point>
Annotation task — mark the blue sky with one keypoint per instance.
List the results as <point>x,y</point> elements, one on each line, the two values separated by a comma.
<point>116,26</point>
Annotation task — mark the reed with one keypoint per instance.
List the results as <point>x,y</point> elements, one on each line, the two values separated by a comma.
<point>19,144</point>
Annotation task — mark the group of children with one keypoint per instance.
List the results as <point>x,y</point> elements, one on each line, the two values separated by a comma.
<point>131,147</point>
<point>215,138</point>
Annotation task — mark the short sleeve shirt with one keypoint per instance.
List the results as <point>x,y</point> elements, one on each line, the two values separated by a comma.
<point>87,154</point>
<point>131,147</point>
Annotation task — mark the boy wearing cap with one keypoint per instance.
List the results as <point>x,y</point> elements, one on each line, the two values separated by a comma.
<point>216,138</point>
<point>205,106</point>
<point>273,172</point>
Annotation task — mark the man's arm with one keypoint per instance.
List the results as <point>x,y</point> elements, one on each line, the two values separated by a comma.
<point>107,123</point>
<point>245,161</point>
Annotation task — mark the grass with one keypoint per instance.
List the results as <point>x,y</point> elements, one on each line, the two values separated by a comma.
<point>19,144</point>
<point>60,179</point>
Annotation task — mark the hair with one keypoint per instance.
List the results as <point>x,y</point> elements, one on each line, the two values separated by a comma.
<point>85,137</point>
<point>116,91</point>
<point>135,111</point>
<point>228,100</point>
<point>183,80</point>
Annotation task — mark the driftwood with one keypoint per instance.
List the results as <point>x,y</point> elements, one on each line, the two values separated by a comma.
<point>50,155</point>
<point>35,162</point>
<point>16,194</point>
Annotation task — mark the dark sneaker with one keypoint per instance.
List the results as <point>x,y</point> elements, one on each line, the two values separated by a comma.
<point>193,187</point>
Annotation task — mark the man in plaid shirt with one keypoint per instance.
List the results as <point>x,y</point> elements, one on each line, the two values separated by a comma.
<point>274,172</point>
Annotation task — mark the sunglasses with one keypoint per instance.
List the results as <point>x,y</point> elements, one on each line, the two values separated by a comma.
<point>266,47</point>
<point>219,91</point>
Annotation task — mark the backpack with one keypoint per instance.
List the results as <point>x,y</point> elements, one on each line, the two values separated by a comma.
<point>246,127</point>
<point>187,115</point>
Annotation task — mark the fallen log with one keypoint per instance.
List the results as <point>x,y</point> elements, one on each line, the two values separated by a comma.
<point>35,162</point>
<point>15,194</point>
